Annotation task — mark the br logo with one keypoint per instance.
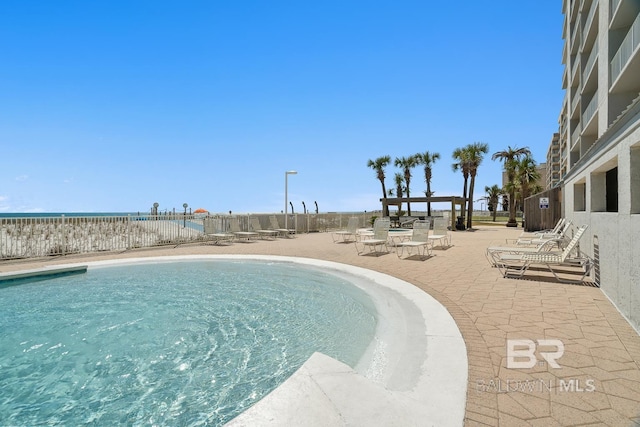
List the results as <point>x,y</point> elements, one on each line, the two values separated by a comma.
<point>521,354</point>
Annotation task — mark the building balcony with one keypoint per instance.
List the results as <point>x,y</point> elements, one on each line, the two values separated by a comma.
<point>574,102</point>
<point>622,13</point>
<point>590,30</point>
<point>575,64</point>
<point>589,113</point>
<point>575,40</point>
<point>613,8</point>
<point>575,136</point>
<point>625,65</point>
<point>589,66</point>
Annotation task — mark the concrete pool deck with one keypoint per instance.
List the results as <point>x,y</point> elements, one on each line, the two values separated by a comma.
<point>598,382</point>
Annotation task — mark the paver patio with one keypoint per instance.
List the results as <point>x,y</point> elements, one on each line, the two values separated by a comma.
<point>599,379</point>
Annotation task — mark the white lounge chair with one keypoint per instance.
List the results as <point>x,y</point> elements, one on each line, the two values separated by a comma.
<point>493,253</point>
<point>349,234</point>
<point>419,240</point>
<point>516,265</point>
<point>539,238</point>
<point>234,227</point>
<point>378,240</point>
<point>282,232</point>
<point>556,229</point>
<point>264,234</point>
<point>441,232</point>
<point>213,230</point>
<point>407,221</point>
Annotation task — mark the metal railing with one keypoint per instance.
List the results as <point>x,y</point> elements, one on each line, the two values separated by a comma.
<point>625,52</point>
<point>575,135</point>
<point>589,20</point>
<point>590,110</point>
<point>35,237</point>
<point>575,30</point>
<point>574,101</point>
<point>613,8</point>
<point>590,61</point>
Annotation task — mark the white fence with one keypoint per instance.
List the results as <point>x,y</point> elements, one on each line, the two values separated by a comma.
<point>51,236</point>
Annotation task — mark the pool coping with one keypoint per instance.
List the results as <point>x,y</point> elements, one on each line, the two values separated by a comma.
<point>326,392</point>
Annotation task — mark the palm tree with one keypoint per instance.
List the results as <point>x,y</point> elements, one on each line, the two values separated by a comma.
<point>378,165</point>
<point>527,176</point>
<point>475,155</point>
<point>406,163</point>
<point>493,196</point>
<point>427,159</point>
<point>510,158</point>
<point>399,191</point>
<point>460,156</point>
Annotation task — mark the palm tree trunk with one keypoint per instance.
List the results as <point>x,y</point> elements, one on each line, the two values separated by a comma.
<point>470,207</point>
<point>385,210</point>
<point>464,197</point>
<point>428,195</point>
<point>512,210</point>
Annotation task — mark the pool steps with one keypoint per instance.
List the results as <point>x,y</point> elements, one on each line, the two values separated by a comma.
<point>7,279</point>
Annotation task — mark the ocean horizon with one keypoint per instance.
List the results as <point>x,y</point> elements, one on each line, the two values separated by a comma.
<point>66,214</point>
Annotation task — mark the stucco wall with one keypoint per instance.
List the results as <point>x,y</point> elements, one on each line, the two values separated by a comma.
<point>618,233</point>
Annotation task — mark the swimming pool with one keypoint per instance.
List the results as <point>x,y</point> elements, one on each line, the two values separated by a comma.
<point>415,368</point>
<point>180,343</point>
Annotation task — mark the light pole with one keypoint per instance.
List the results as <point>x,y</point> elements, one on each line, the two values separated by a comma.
<point>185,206</point>
<point>286,201</point>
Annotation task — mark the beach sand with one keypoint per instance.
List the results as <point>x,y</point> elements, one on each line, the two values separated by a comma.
<point>599,379</point>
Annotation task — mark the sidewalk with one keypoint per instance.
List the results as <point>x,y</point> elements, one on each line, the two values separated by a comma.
<point>598,382</point>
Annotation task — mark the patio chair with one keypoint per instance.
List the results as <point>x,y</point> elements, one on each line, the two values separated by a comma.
<point>378,240</point>
<point>264,234</point>
<point>539,238</point>
<point>282,232</point>
<point>234,227</point>
<point>516,265</point>
<point>407,221</point>
<point>441,232</point>
<point>349,234</point>
<point>493,253</point>
<point>556,229</point>
<point>419,240</point>
<point>213,230</point>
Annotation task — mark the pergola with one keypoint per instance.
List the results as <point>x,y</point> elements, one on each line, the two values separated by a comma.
<point>455,201</point>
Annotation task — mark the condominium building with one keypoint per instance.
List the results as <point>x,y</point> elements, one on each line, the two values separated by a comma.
<point>599,140</point>
<point>541,169</point>
<point>552,177</point>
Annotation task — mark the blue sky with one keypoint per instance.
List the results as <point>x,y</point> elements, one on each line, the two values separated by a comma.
<point>114,105</point>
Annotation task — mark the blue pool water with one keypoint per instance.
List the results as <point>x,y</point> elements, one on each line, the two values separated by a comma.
<point>180,343</point>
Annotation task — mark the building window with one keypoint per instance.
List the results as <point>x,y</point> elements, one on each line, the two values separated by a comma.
<point>580,197</point>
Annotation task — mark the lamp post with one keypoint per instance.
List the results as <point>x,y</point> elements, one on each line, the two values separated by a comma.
<point>286,200</point>
<point>185,206</point>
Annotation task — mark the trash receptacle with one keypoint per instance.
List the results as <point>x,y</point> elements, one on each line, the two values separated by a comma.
<point>460,223</point>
